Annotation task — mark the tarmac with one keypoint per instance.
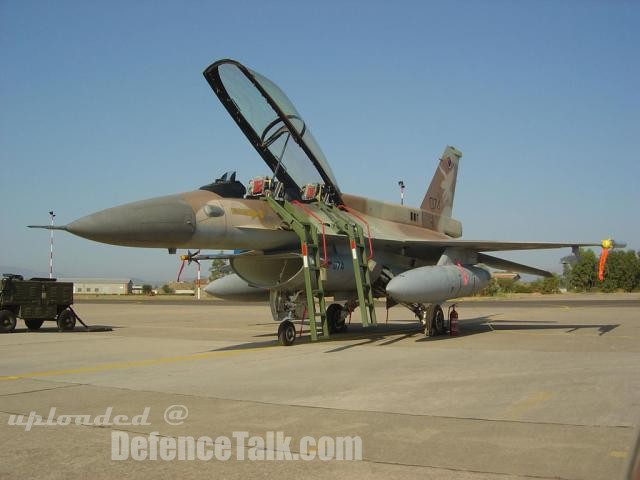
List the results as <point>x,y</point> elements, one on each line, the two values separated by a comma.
<point>543,387</point>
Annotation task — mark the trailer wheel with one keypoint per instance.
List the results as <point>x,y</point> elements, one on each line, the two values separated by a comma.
<point>66,321</point>
<point>7,321</point>
<point>33,324</point>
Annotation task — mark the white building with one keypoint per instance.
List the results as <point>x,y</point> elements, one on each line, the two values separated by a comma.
<point>100,286</point>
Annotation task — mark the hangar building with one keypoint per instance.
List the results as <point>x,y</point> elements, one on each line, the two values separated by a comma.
<point>101,286</point>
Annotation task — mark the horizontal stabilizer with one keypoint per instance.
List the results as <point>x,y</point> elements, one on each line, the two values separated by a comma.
<point>502,264</point>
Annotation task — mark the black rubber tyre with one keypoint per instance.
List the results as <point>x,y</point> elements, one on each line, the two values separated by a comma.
<point>438,320</point>
<point>336,320</point>
<point>66,321</point>
<point>286,333</point>
<point>7,321</point>
<point>33,324</point>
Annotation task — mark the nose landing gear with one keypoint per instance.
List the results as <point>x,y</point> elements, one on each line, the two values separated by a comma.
<point>286,333</point>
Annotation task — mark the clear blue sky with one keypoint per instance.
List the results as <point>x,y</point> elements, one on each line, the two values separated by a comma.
<point>103,103</point>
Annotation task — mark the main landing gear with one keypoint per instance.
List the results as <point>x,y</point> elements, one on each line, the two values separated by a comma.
<point>336,316</point>
<point>432,320</point>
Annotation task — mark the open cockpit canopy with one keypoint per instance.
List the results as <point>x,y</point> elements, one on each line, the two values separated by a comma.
<point>273,126</point>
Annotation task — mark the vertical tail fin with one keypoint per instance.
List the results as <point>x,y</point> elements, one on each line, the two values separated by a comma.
<point>439,197</point>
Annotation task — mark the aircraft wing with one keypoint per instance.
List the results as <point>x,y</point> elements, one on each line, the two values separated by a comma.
<point>431,250</point>
<point>490,245</point>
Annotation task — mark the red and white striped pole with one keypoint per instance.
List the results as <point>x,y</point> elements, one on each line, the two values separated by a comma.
<point>52,215</point>
<point>198,280</point>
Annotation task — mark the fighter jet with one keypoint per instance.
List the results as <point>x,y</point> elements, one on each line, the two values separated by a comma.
<point>299,239</point>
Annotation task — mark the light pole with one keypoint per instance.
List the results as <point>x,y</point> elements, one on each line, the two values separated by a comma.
<point>52,215</point>
<point>401,184</point>
<point>198,280</point>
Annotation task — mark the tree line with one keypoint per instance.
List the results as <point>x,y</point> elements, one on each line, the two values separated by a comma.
<point>621,273</point>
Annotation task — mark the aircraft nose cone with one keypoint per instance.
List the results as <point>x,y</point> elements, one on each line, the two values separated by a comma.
<point>163,222</point>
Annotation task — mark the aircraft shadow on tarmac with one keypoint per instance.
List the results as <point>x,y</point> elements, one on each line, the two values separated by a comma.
<point>388,334</point>
<point>77,329</point>
<point>485,323</point>
<point>394,332</point>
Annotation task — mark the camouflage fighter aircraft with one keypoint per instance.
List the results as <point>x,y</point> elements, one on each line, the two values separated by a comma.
<point>298,238</point>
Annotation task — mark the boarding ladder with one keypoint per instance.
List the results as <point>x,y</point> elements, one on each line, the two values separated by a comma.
<point>344,224</point>
<point>298,221</point>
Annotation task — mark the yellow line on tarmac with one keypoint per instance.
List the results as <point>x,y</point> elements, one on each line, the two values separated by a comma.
<point>530,402</point>
<point>132,364</point>
<point>618,454</point>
